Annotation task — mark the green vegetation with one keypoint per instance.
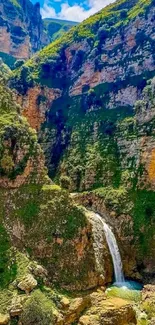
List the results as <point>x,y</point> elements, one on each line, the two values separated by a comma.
<point>144,218</point>
<point>149,307</point>
<point>38,310</point>
<point>15,3</point>
<point>5,299</point>
<point>7,268</point>
<point>115,199</point>
<point>48,65</point>
<point>90,152</point>
<point>15,134</point>
<point>5,72</point>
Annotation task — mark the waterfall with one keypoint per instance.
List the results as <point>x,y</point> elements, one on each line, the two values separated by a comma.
<point>114,251</point>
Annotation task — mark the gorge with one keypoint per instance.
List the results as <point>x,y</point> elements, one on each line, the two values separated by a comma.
<point>77,167</point>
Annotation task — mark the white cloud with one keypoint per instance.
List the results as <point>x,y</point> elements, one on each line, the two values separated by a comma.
<point>48,12</point>
<point>75,12</point>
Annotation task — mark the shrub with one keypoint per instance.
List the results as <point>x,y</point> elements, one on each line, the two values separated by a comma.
<point>37,310</point>
<point>65,182</point>
<point>7,163</point>
<point>102,33</point>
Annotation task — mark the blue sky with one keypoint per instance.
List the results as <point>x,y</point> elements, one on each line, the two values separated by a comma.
<point>76,10</point>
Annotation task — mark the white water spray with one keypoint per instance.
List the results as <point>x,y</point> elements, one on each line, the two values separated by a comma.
<point>114,251</point>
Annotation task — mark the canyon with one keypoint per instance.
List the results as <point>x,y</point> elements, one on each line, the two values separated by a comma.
<point>77,174</point>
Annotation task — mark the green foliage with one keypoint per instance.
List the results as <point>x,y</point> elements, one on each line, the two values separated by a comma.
<point>144,218</point>
<point>28,212</point>
<point>5,72</point>
<point>52,57</point>
<point>115,199</point>
<point>22,264</point>
<point>7,266</point>
<point>15,134</point>
<point>124,293</point>
<point>37,310</point>
<point>65,182</point>
<point>149,307</point>
<point>5,299</point>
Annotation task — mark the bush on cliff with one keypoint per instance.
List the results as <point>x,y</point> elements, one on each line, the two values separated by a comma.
<point>37,310</point>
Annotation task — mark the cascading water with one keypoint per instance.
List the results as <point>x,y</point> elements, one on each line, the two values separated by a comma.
<point>121,288</point>
<point>114,251</point>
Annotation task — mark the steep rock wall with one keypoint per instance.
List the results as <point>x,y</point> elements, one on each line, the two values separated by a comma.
<point>37,216</point>
<point>95,135</point>
<point>21,28</point>
<point>100,70</point>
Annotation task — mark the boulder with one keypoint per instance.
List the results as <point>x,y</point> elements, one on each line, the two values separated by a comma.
<point>28,284</point>
<point>65,302</point>
<point>111,311</point>
<point>76,307</point>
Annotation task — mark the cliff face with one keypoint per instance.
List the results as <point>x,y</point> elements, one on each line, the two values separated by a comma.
<point>95,75</point>
<point>23,31</point>
<point>39,217</point>
<point>89,97</point>
<point>94,134</point>
<point>21,28</point>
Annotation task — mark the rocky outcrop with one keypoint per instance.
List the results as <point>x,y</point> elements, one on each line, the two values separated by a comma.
<point>23,31</point>
<point>112,311</point>
<point>4,319</point>
<point>21,28</point>
<point>36,103</point>
<point>27,284</point>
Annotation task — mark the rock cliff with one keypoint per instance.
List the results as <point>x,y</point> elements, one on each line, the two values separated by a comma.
<point>21,28</point>
<point>95,75</point>
<point>93,108</point>
<point>38,216</point>
<point>90,96</point>
<point>23,31</point>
